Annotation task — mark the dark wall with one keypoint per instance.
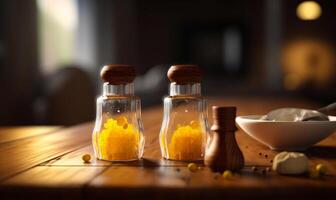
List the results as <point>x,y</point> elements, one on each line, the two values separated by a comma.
<point>19,73</point>
<point>161,25</point>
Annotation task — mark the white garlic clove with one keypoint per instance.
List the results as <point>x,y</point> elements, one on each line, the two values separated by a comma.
<point>290,163</point>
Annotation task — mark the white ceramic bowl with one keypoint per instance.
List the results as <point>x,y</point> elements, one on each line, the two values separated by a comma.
<point>284,135</point>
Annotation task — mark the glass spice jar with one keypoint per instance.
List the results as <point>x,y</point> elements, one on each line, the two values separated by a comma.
<point>118,131</point>
<point>184,130</point>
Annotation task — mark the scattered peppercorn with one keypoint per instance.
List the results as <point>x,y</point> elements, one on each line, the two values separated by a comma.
<point>266,155</point>
<point>192,167</point>
<point>271,161</point>
<point>86,158</point>
<point>178,169</point>
<point>227,174</point>
<point>260,153</point>
<point>322,169</point>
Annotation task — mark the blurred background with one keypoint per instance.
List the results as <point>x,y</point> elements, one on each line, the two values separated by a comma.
<point>51,51</point>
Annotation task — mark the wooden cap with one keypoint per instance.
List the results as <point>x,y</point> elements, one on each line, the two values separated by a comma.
<point>228,112</point>
<point>184,74</point>
<point>224,118</point>
<point>118,74</point>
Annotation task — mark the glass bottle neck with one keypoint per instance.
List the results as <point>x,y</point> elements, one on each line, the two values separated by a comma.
<point>118,90</point>
<point>185,90</point>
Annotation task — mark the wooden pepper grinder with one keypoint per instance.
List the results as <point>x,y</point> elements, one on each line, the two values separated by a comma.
<point>223,152</point>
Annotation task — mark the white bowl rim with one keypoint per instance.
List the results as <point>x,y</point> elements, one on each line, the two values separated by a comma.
<point>256,118</point>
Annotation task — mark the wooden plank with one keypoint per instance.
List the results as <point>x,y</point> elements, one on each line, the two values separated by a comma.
<point>254,159</point>
<point>130,177</point>
<point>75,159</point>
<point>8,134</point>
<point>179,183</point>
<point>49,183</point>
<point>45,176</point>
<point>249,184</point>
<point>22,154</point>
<point>59,160</point>
<point>137,183</point>
<point>140,182</point>
<point>325,153</point>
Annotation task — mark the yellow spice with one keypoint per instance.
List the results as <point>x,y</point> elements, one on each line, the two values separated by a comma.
<point>118,140</point>
<point>186,143</point>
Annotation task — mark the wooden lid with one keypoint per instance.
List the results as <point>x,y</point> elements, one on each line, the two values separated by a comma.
<point>225,113</point>
<point>118,74</point>
<point>224,118</point>
<point>184,74</point>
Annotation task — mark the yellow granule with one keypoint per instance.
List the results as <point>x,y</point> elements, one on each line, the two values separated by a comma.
<point>118,140</point>
<point>186,143</point>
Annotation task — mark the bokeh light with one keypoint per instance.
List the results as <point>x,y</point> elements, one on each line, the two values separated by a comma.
<point>308,62</point>
<point>309,10</point>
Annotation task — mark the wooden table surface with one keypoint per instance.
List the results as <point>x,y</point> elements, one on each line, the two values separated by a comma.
<point>45,163</point>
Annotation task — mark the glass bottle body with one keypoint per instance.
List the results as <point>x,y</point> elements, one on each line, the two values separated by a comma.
<point>184,131</point>
<point>118,131</point>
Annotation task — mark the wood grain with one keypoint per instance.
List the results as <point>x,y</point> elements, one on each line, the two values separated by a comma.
<point>74,158</point>
<point>54,176</point>
<point>179,183</point>
<point>49,166</point>
<point>185,74</point>
<point>49,183</point>
<point>22,154</point>
<point>8,134</point>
